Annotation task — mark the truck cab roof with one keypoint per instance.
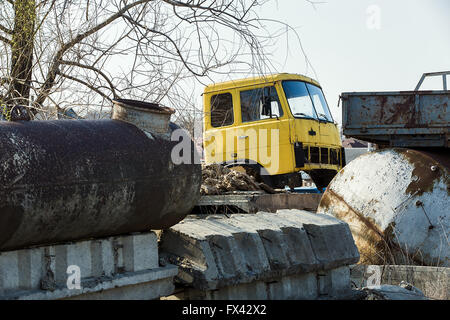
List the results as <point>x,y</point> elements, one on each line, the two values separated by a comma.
<point>258,80</point>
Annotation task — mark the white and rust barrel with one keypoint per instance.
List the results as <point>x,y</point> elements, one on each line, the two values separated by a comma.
<point>67,180</point>
<point>397,204</point>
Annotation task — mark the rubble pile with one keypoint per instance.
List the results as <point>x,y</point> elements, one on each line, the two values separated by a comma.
<point>218,179</point>
<point>404,291</point>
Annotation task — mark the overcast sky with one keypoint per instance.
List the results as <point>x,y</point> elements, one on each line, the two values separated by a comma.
<point>359,45</point>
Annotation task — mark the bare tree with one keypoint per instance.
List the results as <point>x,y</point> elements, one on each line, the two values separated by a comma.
<point>59,54</point>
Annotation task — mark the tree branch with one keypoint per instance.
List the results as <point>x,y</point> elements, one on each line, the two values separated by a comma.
<point>5,29</point>
<point>5,40</point>
<point>199,6</point>
<point>76,64</point>
<point>85,84</point>
<point>170,40</point>
<point>51,76</point>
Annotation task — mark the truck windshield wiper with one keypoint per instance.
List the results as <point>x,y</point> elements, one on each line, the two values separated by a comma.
<point>323,116</point>
<point>302,114</point>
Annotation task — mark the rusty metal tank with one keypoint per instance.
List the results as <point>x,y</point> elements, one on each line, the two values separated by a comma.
<point>397,204</point>
<point>67,180</point>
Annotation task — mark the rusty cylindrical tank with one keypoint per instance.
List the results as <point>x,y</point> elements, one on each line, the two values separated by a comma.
<point>397,204</point>
<point>67,180</point>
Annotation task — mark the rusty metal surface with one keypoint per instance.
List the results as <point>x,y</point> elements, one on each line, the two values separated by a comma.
<point>150,117</point>
<point>396,202</point>
<point>398,119</point>
<point>68,180</point>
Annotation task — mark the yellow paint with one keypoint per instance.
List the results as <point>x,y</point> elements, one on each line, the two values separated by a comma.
<point>247,140</point>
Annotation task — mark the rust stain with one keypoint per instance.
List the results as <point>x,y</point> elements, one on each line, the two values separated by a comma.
<point>367,237</point>
<point>383,101</point>
<point>403,110</point>
<point>425,173</point>
<point>326,201</point>
<point>374,245</point>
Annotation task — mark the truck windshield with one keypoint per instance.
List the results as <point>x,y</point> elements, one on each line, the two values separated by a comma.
<point>306,100</point>
<point>298,99</point>
<point>319,103</point>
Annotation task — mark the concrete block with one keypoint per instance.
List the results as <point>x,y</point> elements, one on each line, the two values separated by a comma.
<point>334,283</point>
<point>32,278</point>
<point>286,242</point>
<point>256,290</point>
<point>251,291</point>
<point>9,270</point>
<point>330,238</point>
<point>44,269</point>
<point>102,263</point>
<point>303,287</point>
<point>297,287</point>
<point>221,252</point>
<point>252,248</point>
<point>79,254</point>
<point>276,249</point>
<point>140,252</point>
<point>143,285</point>
<point>139,291</point>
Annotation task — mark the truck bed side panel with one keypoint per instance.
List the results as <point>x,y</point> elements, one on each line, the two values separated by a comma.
<point>406,119</point>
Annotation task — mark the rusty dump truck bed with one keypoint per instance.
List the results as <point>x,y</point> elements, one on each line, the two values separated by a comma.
<point>398,119</point>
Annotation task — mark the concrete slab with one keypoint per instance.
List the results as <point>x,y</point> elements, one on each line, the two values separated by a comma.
<point>331,239</point>
<point>143,285</point>
<point>295,287</point>
<point>334,283</point>
<point>105,268</point>
<point>242,250</point>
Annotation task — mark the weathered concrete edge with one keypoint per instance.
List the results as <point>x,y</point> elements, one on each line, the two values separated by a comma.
<point>204,277</point>
<point>93,285</point>
<point>331,285</point>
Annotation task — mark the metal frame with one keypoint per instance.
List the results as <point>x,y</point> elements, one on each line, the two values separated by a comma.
<point>433,74</point>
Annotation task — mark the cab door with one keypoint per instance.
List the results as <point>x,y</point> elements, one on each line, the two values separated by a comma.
<point>263,133</point>
<point>305,128</point>
<point>329,134</point>
<point>306,124</point>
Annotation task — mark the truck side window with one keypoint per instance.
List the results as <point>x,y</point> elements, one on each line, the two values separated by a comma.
<point>259,104</point>
<point>222,110</point>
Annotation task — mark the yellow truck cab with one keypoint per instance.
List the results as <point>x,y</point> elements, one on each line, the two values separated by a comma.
<point>272,127</point>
